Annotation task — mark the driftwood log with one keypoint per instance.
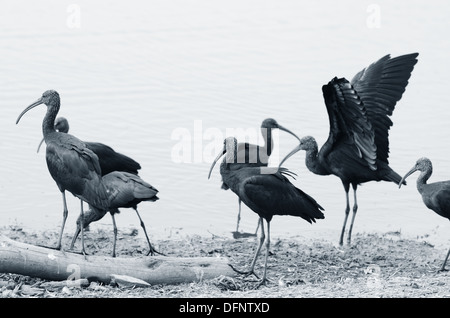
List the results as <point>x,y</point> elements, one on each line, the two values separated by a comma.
<point>35,261</point>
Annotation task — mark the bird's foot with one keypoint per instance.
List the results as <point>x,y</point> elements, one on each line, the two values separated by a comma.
<point>152,251</point>
<point>261,283</point>
<point>72,246</point>
<point>62,251</point>
<point>245,273</point>
<point>442,269</point>
<point>50,247</point>
<point>84,253</point>
<point>348,242</point>
<point>56,248</point>
<point>72,250</point>
<point>264,281</point>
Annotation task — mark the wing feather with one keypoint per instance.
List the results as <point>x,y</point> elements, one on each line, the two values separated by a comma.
<point>268,195</point>
<point>380,86</point>
<point>349,120</point>
<point>110,160</point>
<point>437,198</point>
<point>75,168</point>
<point>127,190</point>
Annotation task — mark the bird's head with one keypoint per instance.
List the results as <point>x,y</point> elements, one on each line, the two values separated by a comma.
<point>49,98</point>
<point>306,143</point>
<point>62,125</point>
<point>422,164</point>
<point>229,148</point>
<point>270,123</point>
<point>89,216</point>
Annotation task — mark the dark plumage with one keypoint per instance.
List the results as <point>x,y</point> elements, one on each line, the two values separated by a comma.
<point>252,155</point>
<point>125,190</point>
<point>266,194</point>
<point>436,195</point>
<point>109,159</point>
<point>357,147</point>
<point>72,165</point>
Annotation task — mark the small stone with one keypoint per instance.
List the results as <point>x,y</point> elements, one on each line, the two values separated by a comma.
<point>96,286</point>
<point>3,283</point>
<point>31,291</point>
<point>66,290</point>
<point>128,281</point>
<point>77,283</point>
<point>7,293</point>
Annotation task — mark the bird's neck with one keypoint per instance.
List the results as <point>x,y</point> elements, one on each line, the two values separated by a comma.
<point>233,174</point>
<point>313,162</point>
<point>422,179</point>
<point>48,125</point>
<point>268,140</point>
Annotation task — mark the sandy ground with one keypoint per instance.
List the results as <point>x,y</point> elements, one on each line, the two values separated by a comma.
<point>375,265</point>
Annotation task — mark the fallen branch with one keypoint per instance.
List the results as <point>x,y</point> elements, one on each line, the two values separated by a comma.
<point>35,261</point>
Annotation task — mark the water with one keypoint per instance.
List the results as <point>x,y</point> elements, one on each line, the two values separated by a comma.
<point>134,74</point>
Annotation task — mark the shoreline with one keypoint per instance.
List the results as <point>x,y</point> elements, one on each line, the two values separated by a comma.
<point>375,265</point>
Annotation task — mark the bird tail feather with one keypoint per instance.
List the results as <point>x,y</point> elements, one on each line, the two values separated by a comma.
<point>395,177</point>
<point>144,192</point>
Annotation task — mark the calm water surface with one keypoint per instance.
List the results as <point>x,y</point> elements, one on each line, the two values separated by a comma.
<point>135,74</point>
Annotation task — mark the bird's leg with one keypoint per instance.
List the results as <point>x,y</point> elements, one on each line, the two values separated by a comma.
<point>115,235</point>
<point>263,280</point>
<point>257,228</point>
<point>347,211</point>
<point>75,236</point>
<point>152,250</point>
<point>355,209</point>
<point>82,228</point>
<point>65,214</point>
<point>239,216</point>
<point>261,241</point>
<point>445,262</point>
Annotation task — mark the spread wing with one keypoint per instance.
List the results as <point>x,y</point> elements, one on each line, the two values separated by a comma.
<point>380,86</point>
<point>349,122</point>
<point>359,110</point>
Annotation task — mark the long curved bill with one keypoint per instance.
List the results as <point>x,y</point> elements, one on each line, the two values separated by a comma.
<point>288,131</point>
<point>40,144</point>
<point>224,150</point>
<point>410,172</point>
<point>293,152</point>
<point>36,103</point>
